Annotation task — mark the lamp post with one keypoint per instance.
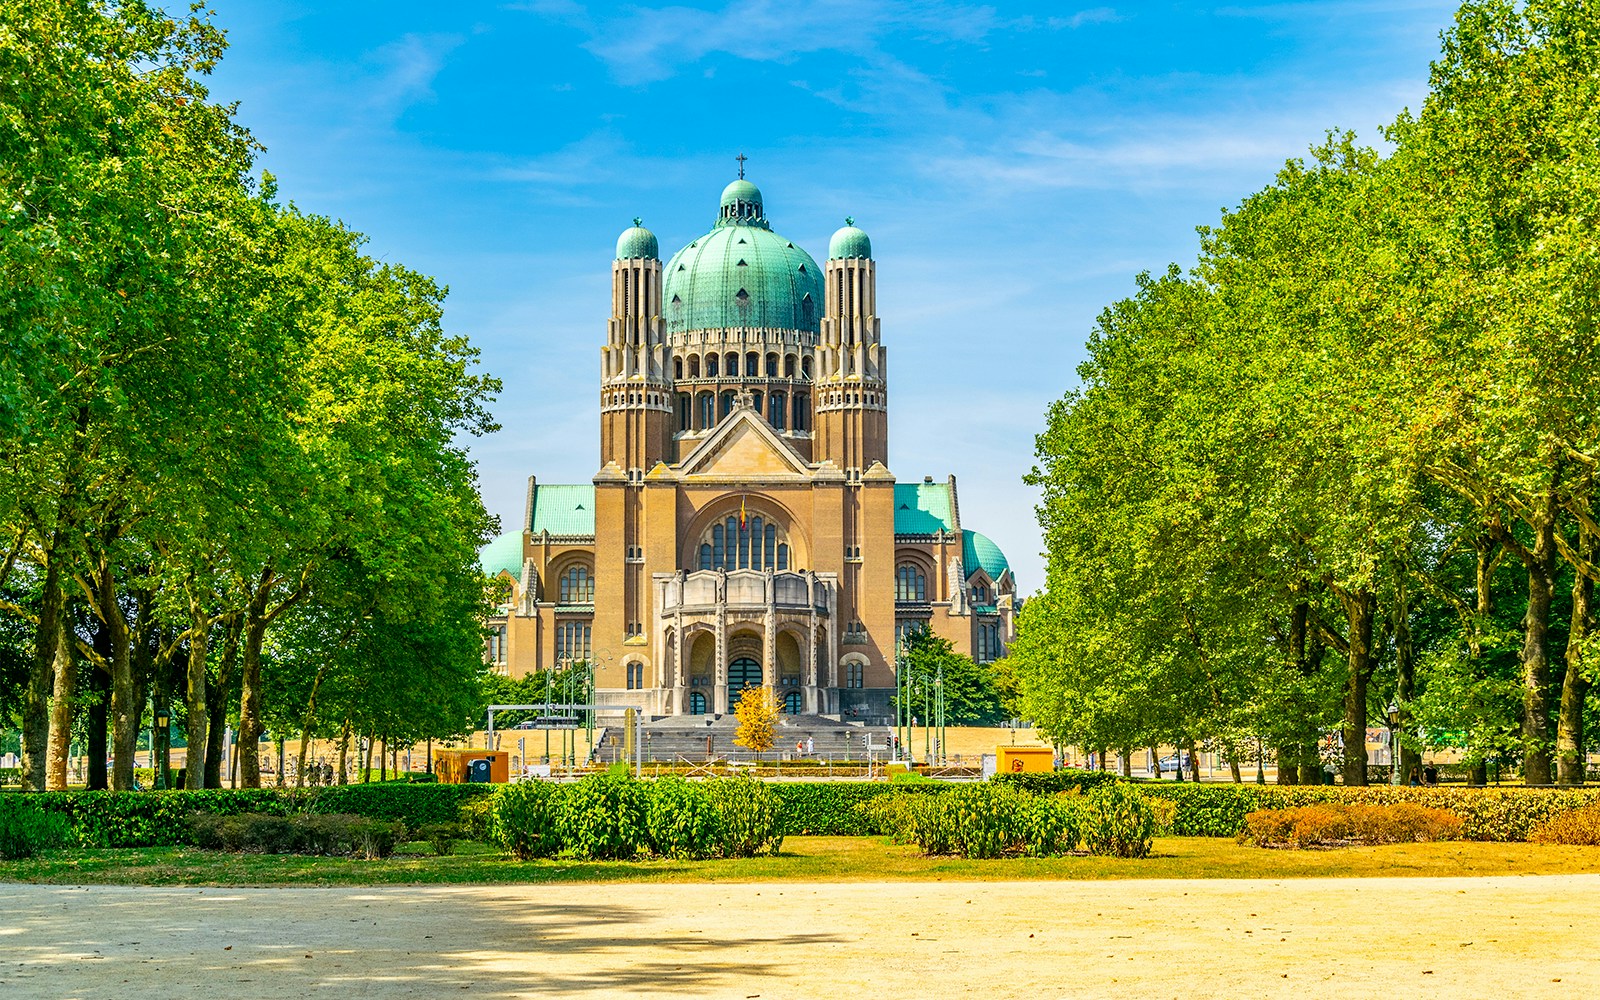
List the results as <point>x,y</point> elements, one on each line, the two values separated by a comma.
<point>159,765</point>
<point>1393,715</point>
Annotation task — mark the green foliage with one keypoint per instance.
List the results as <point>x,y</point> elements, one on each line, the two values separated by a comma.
<point>1049,825</point>
<point>441,837</point>
<point>416,805</point>
<point>1117,822</point>
<point>829,808</point>
<point>750,816</point>
<point>525,818</point>
<point>971,690</point>
<point>681,819</point>
<point>603,817</point>
<point>26,829</point>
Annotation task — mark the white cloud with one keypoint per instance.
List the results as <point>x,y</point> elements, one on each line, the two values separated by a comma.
<point>406,70</point>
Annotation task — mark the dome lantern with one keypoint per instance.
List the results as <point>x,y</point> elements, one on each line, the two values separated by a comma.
<point>638,242</point>
<point>849,243</point>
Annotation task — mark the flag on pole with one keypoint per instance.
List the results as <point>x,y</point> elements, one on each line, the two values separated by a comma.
<point>741,514</point>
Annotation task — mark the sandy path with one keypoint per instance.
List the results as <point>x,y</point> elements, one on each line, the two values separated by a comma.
<point>1484,937</point>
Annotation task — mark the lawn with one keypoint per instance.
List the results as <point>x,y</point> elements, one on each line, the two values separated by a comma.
<point>804,859</point>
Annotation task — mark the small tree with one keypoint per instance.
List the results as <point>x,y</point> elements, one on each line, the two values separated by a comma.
<point>758,720</point>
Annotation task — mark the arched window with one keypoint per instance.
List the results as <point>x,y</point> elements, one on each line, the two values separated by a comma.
<point>708,411</point>
<point>980,594</point>
<point>727,402</point>
<point>685,411</point>
<point>772,366</point>
<point>742,673</point>
<point>988,642</point>
<point>755,401</point>
<point>697,703</point>
<point>635,676</point>
<point>805,367</point>
<point>730,366</point>
<point>758,543</point>
<point>854,676</point>
<point>752,364</point>
<point>677,368</point>
<point>577,586</point>
<point>788,366</point>
<point>777,411</point>
<point>711,365</point>
<point>792,702</point>
<point>909,583</point>
<point>802,411</point>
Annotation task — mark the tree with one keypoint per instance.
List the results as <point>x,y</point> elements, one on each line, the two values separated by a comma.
<point>971,695</point>
<point>758,712</point>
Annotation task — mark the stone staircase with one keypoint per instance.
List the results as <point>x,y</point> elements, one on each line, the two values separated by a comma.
<point>698,738</point>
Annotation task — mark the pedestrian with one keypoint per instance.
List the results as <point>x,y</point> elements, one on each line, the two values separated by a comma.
<point>1416,777</point>
<point>1430,775</point>
<point>811,748</point>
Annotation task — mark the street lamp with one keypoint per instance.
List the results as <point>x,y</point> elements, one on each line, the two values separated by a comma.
<point>159,765</point>
<point>1393,714</point>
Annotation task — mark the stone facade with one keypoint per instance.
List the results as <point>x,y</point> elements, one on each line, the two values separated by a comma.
<point>744,527</point>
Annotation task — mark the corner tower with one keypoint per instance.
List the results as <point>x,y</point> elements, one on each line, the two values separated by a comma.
<point>635,390</point>
<point>852,378</point>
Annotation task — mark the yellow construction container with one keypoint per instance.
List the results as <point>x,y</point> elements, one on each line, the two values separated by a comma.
<point>1015,760</point>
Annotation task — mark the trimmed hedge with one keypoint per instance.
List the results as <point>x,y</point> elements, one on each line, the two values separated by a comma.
<point>828,809</point>
<point>160,819</point>
<point>1048,782</point>
<point>1496,814</point>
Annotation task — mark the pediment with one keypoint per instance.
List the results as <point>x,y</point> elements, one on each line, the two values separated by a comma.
<point>743,447</point>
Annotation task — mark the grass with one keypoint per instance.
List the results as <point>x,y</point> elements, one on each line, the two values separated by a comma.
<point>804,859</point>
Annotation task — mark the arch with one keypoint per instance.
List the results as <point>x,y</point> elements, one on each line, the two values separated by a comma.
<point>705,411</point>
<point>791,548</point>
<point>802,411</point>
<point>853,671</point>
<point>726,407</point>
<point>634,671</point>
<point>575,585</point>
<point>730,365</point>
<point>743,672</point>
<point>711,365</point>
<point>792,703</point>
<point>677,367</point>
<point>778,411</point>
<point>772,364</point>
<point>752,364</point>
<point>805,367</point>
<point>697,703</point>
<point>685,407</point>
<point>788,365</point>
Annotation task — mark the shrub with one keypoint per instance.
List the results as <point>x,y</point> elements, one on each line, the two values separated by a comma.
<point>975,821</point>
<point>441,837</point>
<point>890,815</point>
<point>1117,821</point>
<point>1579,826</point>
<point>1049,825</point>
<point>603,817</point>
<point>828,808</point>
<point>473,818</point>
<point>749,816</point>
<point>305,833</point>
<point>934,823</point>
<point>681,820</point>
<point>1050,782</point>
<point>525,819</point>
<point>26,829</point>
<point>415,804</point>
<point>1334,824</point>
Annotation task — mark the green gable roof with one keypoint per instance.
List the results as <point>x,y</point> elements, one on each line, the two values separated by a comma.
<point>562,509</point>
<point>503,555</point>
<point>922,508</point>
<point>978,552</point>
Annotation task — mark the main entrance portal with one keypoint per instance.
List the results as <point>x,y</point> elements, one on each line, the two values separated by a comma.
<point>742,673</point>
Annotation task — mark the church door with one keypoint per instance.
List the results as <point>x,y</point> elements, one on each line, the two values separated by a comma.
<point>791,702</point>
<point>742,673</point>
<point>697,703</point>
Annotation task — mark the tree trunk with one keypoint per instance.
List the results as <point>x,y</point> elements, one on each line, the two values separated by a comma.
<point>41,678</point>
<point>197,724</point>
<point>1289,765</point>
<point>344,753</point>
<point>1127,762</point>
<point>1360,609</point>
<point>1405,691</point>
<point>99,717</point>
<point>1574,686</point>
<point>217,705</point>
<point>1233,768</point>
<point>1535,655</point>
<point>255,631</point>
<point>1194,763</point>
<point>125,713</point>
<point>60,741</point>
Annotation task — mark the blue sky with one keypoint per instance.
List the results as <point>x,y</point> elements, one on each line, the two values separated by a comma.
<point>1016,166</point>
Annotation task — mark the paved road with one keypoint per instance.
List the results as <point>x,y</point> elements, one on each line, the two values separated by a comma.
<point>1485,937</point>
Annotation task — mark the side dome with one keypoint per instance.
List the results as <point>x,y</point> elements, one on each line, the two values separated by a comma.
<point>979,552</point>
<point>503,555</point>
<point>638,242</point>
<point>742,275</point>
<point>850,243</point>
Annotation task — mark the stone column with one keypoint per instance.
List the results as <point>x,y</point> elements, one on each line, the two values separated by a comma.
<point>680,670</point>
<point>720,691</point>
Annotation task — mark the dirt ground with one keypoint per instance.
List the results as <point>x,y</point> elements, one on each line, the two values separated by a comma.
<point>1448,937</point>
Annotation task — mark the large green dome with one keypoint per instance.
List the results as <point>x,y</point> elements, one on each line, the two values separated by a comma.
<point>742,274</point>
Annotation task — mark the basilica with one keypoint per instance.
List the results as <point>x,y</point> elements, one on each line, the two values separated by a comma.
<point>744,527</point>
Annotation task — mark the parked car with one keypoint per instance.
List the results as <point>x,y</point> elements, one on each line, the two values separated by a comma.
<point>1170,763</point>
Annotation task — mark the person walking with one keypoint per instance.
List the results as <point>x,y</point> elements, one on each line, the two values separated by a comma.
<point>1416,777</point>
